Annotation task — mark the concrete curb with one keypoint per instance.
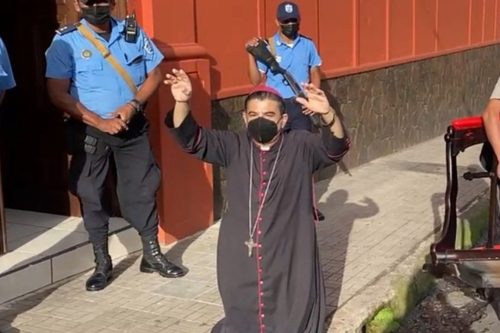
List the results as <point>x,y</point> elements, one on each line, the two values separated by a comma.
<point>394,294</point>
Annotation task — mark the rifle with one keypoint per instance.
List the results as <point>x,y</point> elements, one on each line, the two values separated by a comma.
<point>261,53</point>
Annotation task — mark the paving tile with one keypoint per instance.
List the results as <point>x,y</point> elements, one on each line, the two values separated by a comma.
<point>374,218</point>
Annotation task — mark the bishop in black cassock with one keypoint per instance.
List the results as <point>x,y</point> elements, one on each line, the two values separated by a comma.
<point>268,267</point>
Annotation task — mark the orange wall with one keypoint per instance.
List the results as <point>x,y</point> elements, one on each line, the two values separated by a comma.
<point>352,35</point>
<point>206,38</point>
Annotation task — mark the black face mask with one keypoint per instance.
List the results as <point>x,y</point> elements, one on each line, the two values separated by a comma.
<point>97,15</point>
<point>262,130</point>
<point>290,30</point>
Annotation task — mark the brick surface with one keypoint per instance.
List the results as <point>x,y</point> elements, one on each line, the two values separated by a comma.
<point>375,219</point>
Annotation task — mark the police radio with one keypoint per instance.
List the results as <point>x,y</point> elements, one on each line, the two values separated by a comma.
<point>131,28</point>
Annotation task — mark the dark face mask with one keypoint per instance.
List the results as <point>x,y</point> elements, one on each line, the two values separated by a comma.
<point>262,130</point>
<point>97,15</point>
<point>290,30</point>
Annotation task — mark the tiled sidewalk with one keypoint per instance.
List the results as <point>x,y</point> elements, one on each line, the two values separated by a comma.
<point>374,220</point>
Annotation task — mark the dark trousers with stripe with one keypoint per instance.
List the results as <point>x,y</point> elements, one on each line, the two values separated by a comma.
<point>138,179</point>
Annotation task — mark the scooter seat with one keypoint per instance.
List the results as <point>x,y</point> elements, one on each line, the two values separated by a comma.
<point>467,123</point>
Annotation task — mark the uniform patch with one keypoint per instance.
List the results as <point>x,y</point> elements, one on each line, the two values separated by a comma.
<point>67,28</point>
<point>147,46</point>
<point>289,9</point>
<point>86,54</point>
<point>278,58</point>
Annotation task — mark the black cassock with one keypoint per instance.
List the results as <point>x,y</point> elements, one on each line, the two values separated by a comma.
<point>279,289</point>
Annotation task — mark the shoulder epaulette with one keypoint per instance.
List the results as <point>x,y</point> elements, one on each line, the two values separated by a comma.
<point>66,29</point>
<point>306,37</point>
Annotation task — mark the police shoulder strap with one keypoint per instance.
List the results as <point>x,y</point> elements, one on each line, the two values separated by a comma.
<point>66,29</point>
<point>108,56</point>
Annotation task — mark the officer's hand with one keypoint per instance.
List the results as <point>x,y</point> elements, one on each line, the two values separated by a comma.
<point>180,85</point>
<point>125,113</point>
<point>252,42</point>
<point>112,126</point>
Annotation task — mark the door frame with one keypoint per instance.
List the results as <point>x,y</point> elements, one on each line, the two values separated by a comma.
<point>3,222</point>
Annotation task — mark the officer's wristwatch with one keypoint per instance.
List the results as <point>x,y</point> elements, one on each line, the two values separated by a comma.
<point>138,106</point>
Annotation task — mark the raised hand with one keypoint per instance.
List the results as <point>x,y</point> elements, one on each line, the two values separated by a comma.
<point>180,85</point>
<point>316,101</point>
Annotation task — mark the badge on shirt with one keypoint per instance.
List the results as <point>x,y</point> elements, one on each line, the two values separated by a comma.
<point>86,54</point>
<point>147,46</point>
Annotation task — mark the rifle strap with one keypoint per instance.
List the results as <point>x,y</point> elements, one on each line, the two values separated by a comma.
<point>272,46</point>
<point>108,56</point>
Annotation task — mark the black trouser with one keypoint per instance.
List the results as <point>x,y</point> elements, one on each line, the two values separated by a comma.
<point>138,178</point>
<point>296,119</point>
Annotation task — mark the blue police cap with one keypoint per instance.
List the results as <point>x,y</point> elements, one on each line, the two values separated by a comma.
<point>287,10</point>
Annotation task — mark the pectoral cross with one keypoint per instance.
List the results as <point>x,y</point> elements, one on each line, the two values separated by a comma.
<point>250,244</point>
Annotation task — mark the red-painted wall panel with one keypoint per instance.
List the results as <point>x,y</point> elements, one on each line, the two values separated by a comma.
<point>351,35</point>
<point>476,21</point>
<point>489,20</point>
<point>223,32</point>
<point>453,30</point>
<point>372,31</point>
<point>336,33</point>
<point>169,21</point>
<point>400,28</point>
<point>425,26</point>
<point>497,17</point>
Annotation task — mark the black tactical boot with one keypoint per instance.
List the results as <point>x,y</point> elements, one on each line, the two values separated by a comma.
<point>102,274</point>
<point>154,261</point>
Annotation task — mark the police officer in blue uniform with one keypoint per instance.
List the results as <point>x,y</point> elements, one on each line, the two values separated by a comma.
<point>101,72</point>
<point>6,82</point>
<point>298,55</point>
<point>295,53</point>
<point>6,77</point>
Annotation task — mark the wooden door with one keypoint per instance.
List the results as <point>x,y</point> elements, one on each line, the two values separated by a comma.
<point>3,222</point>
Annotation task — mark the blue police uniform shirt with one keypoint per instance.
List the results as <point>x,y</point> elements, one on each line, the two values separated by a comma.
<point>6,77</point>
<point>297,58</point>
<point>94,82</point>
